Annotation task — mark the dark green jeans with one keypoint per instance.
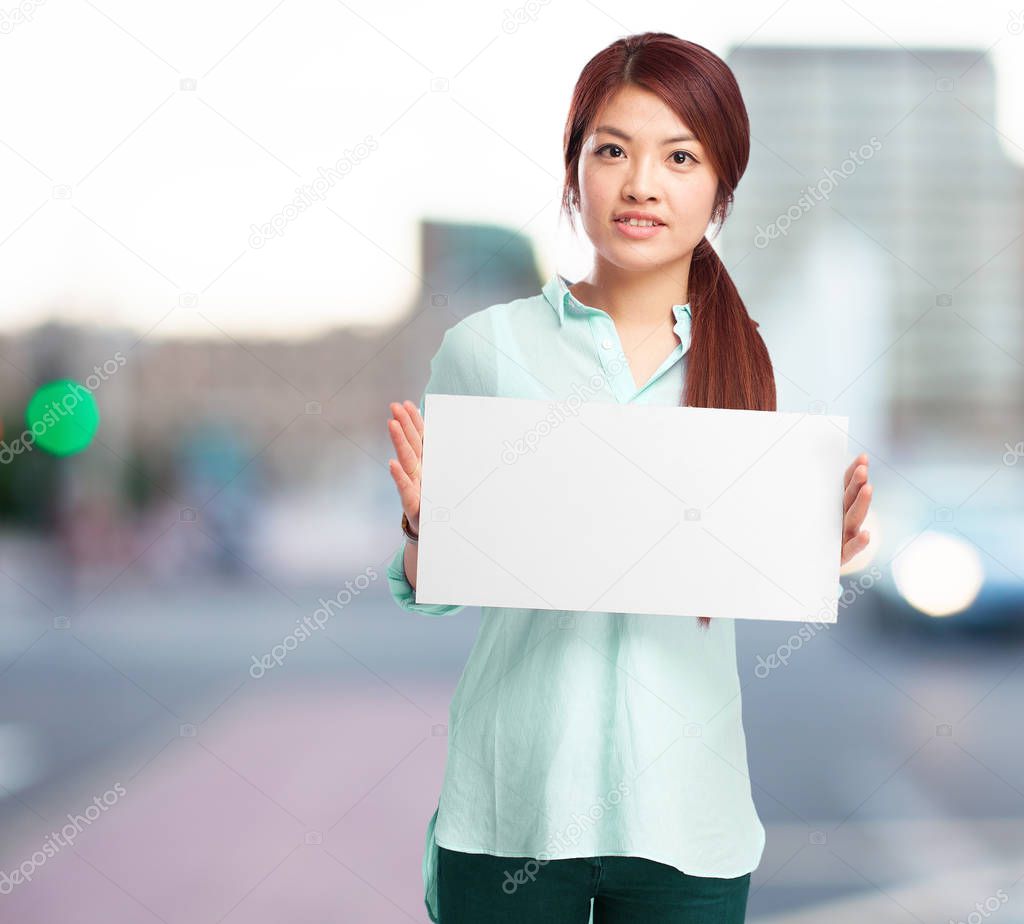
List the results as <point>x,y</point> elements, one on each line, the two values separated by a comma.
<point>478,888</point>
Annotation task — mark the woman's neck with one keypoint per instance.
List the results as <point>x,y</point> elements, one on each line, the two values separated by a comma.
<point>641,299</point>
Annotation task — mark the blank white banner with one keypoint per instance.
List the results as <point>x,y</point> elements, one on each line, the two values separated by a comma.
<point>631,508</point>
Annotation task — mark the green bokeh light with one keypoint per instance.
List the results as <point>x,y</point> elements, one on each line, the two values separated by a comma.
<point>63,417</point>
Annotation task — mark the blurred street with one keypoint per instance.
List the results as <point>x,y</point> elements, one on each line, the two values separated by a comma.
<point>303,794</point>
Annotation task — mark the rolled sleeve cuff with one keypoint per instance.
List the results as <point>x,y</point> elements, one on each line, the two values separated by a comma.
<point>405,594</point>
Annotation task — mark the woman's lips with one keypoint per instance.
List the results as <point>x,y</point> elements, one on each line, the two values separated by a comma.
<point>637,232</point>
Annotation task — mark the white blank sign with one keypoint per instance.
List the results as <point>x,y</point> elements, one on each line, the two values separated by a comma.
<point>630,508</point>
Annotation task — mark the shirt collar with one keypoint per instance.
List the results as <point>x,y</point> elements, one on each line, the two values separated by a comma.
<point>556,291</point>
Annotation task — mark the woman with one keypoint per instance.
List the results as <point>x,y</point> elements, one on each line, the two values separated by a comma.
<point>601,756</point>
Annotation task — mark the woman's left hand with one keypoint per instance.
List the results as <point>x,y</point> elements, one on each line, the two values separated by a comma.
<point>856,499</point>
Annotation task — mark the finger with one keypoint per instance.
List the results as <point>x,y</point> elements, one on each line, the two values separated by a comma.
<point>400,416</point>
<point>855,515</point>
<point>857,512</point>
<point>417,418</point>
<point>855,545</point>
<point>862,459</point>
<point>407,456</point>
<point>407,490</point>
<point>860,476</point>
<point>412,434</point>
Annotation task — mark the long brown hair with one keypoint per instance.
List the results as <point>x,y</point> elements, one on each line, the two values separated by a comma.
<point>728,364</point>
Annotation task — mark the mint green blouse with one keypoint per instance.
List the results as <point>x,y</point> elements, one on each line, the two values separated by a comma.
<point>578,733</point>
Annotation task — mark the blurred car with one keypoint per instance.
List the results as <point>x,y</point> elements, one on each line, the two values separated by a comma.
<point>948,541</point>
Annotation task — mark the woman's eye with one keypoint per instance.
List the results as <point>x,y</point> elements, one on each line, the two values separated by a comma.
<point>675,155</point>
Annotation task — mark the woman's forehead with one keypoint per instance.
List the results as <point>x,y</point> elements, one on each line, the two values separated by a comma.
<point>641,114</point>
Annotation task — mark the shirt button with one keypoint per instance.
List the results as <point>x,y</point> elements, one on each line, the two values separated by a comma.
<point>607,343</point>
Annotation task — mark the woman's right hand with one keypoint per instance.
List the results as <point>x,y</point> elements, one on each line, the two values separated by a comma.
<point>406,430</point>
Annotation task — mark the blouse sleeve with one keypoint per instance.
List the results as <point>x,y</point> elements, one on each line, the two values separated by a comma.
<point>454,370</point>
<point>404,593</point>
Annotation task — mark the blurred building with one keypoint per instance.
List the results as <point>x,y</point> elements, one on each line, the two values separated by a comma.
<point>287,397</point>
<point>278,448</point>
<point>902,272</point>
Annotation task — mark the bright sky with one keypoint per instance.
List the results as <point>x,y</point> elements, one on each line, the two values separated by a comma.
<point>129,200</point>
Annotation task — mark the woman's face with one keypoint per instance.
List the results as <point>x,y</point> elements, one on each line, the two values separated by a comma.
<point>634,160</point>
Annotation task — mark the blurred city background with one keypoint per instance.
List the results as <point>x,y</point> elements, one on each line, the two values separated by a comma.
<point>241,354</point>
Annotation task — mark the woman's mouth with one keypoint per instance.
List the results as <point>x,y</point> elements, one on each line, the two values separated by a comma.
<point>637,229</point>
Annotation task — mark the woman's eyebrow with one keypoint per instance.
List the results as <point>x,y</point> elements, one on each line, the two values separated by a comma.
<point>618,133</point>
